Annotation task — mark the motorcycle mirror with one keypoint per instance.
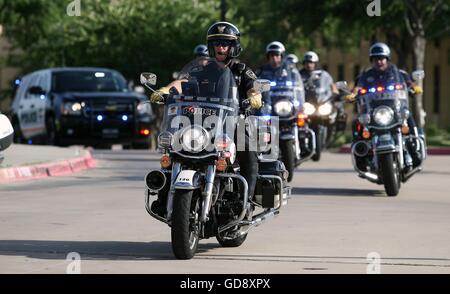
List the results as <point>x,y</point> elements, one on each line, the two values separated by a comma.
<point>341,85</point>
<point>261,85</point>
<point>148,78</point>
<point>316,74</point>
<point>418,75</point>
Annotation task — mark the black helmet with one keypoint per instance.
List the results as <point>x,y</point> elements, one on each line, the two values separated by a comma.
<point>227,32</point>
<point>380,49</point>
<point>201,50</point>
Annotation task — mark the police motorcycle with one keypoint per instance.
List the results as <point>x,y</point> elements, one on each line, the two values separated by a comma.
<point>324,117</point>
<point>6,134</point>
<point>198,191</point>
<point>284,103</point>
<point>386,150</point>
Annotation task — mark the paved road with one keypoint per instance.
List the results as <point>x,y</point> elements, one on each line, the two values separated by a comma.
<point>333,221</point>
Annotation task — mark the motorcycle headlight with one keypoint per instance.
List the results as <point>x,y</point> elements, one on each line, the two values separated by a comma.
<point>194,139</point>
<point>143,108</point>
<point>383,115</point>
<point>283,108</point>
<point>309,108</point>
<point>165,139</point>
<point>325,109</point>
<point>73,108</point>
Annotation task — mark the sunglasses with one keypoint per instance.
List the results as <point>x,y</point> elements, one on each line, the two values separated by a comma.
<point>274,54</point>
<point>378,58</point>
<point>221,43</point>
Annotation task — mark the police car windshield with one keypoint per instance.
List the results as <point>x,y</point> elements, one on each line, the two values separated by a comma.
<point>87,81</point>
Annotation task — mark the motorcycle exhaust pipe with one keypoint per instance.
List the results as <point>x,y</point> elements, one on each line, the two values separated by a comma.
<point>361,149</point>
<point>155,180</point>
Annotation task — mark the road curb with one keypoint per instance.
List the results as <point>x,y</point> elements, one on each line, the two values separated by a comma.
<point>430,150</point>
<point>52,169</point>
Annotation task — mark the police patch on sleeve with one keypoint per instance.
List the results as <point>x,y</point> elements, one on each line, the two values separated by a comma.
<point>251,74</point>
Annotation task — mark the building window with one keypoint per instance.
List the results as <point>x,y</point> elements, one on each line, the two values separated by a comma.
<point>340,72</point>
<point>437,88</point>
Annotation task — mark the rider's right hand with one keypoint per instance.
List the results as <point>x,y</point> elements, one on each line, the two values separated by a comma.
<point>157,96</point>
<point>350,97</point>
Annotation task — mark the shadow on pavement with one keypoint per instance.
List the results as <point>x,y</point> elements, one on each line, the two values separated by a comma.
<point>159,250</point>
<point>93,250</point>
<point>343,192</point>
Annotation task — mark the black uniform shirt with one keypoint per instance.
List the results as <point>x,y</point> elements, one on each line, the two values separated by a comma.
<point>244,77</point>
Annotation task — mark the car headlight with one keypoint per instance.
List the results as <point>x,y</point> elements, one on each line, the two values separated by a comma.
<point>308,108</point>
<point>194,139</point>
<point>383,115</point>
<point>143,108</point>
<point>283,108</point>
<point>325,109</point>
<point>165,139</point>
<point>73,108</point>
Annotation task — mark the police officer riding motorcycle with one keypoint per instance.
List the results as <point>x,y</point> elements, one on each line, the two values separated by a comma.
<point>325,112</point>
<point>284,103</point>
<point>387,147</point>
<point>206,185</point>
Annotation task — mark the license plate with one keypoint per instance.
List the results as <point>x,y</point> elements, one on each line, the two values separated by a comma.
<point>110,133</point>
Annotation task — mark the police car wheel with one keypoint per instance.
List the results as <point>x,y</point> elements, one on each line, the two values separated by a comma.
<point>51,131</point>
<point>18,139</point>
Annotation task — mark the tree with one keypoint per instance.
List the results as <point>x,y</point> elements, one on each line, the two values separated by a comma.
<point>130,36</point>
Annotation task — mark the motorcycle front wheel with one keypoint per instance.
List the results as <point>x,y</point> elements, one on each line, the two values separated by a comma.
<point>319,143</point>
<point>288,157</point>
<point>185,224</point>
<point>390,174</point>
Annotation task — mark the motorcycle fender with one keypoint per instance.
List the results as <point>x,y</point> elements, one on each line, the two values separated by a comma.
<point>385,144</point>
<point>288,135</point>
<point>188,180</point>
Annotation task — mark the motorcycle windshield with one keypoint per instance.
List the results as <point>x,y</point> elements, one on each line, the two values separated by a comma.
<point>286,85</point>
<point>389,89</point>
<point>318,87</point>
<point>205,110</point>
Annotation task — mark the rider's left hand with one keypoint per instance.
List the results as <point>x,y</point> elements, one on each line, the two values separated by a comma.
<point>417,90</point>
<point>255,99</point>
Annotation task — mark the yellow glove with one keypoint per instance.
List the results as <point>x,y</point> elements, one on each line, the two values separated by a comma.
<point>157,96</point>
<point>350,97</point>
<point>255,99</point>
<point>417,90</point>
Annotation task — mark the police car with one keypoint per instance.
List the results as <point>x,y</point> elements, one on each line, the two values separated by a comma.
<point>87,106</point>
